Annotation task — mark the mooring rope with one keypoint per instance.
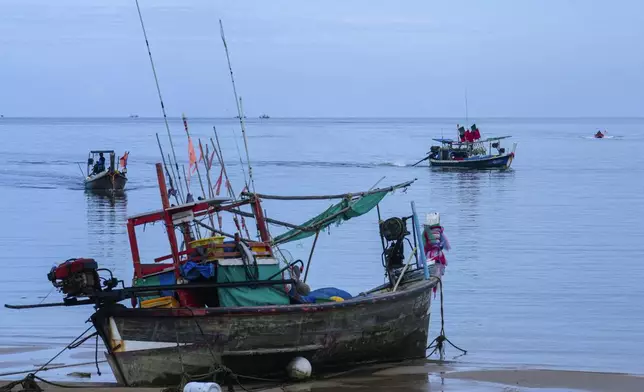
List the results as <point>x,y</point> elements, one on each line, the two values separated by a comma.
<point>29,384</point>
<point>438,344</point>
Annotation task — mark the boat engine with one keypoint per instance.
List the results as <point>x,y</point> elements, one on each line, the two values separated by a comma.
<point>434,152</point>
<point>76,277</point>
<point>394,231</point>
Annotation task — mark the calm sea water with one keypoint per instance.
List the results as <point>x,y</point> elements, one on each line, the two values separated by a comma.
<point>547,261</point>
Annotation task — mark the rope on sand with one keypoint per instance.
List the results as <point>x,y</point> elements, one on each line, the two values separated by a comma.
<point>51,368</point>
<point>29,382</point>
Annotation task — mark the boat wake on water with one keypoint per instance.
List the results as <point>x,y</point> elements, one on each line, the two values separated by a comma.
<point>365,165</point>
<point>604,137</point>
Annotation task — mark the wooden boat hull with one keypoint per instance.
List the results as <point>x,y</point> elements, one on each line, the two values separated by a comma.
<point>106,182</point>
<point>495,162</point>
<point>150,347</point>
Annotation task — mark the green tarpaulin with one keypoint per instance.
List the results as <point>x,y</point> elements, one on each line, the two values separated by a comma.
<point>332,215</point>
<point>250,296</point>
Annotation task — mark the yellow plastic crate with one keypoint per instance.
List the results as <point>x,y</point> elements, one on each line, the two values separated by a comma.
<point>207,241</point>
<point>218,239</point>
<point>161,302</point>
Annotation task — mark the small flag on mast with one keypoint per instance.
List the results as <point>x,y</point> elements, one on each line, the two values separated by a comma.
<point>218,183</point>
<point>123,160</point>
<point>192,156</point>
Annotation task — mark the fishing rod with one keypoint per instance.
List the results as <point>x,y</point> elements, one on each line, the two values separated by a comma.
<point>171,177</point>
<point>466,113</point>
<point>81,169</point>
<point>220,157</point>
<point>156,81</point>
<point>229,187</point>
<point>208,164</point>
<point>238,104</point>
<point>192,152</point>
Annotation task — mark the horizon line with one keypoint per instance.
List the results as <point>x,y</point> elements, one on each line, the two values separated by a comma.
<point>178,117</point>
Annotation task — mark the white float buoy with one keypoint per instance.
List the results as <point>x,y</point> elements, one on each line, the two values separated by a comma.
<point>299,368</point>
<point>202,387</point>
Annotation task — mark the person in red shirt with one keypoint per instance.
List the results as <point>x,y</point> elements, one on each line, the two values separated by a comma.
<point>476,135</point>
<point>461,133</point>
<point>468,136</point>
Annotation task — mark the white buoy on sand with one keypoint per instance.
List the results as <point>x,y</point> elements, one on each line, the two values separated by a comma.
<point>202,387</point>
<point>299,368</point>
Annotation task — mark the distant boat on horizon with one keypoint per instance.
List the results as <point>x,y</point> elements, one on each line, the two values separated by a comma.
<point>134,116</point>
<point>264,116</point>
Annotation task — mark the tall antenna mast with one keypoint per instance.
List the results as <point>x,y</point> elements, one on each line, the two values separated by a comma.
<point>238,104</point>
<point>156,81</point>
<point>466,114</point>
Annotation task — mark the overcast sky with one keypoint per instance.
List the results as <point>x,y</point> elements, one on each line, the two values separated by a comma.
<point>333,58</point>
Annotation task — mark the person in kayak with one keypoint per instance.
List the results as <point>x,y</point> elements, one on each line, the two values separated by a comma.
<point>599,135</point>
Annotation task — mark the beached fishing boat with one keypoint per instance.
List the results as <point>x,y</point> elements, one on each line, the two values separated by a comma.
<point>223,306</point>
<point>451,154</point>
<point>239,306</point>
<point>102,177</point>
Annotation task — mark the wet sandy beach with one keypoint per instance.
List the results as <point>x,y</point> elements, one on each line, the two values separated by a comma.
<point>430,376</point>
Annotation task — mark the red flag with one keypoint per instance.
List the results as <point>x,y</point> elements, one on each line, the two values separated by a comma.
<point>200,155</point>
<point>123,160</point>
<point>192,157</point>
<point>212,156</point>
<point>218,183</point>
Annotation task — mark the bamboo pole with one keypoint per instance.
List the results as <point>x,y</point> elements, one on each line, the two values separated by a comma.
<point>211,193</point>
<point>185,126</point>
<point>327,197</point>
<point>171,177</point>
<point>308,263</point>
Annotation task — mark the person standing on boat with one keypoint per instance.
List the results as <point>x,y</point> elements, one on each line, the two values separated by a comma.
<point>461,133</point>
<point>468,136</point>
<point>101,162</point>
<point>476,135</point>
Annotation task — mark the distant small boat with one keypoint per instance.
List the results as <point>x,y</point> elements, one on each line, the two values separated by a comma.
<point>600,135</point>
<point>134,116</point>
<point>106,178</point>
<point>264,116</point>
<point>237,117</point>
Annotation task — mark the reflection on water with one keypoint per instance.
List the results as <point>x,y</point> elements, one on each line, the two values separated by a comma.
<point>106,216</point>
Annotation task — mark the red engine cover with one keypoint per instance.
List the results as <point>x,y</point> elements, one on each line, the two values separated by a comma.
<point>72,266</point>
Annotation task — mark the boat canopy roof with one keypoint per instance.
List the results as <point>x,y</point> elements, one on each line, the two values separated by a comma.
<point>179,211</point>
<point>351,206</point>
<point>493,139</point>
<point>102,151</point>
<point>456,142</point>
<point>445,141</point>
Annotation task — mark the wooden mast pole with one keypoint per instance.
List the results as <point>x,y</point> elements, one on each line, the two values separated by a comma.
<point>172,237</point>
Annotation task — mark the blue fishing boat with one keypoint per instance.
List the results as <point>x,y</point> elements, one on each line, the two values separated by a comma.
<point>452,154</point>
